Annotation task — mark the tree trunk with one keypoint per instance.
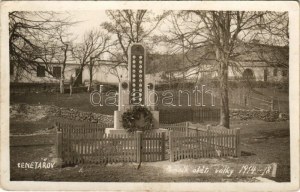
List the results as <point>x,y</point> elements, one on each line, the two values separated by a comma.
<point>62,81</point>
<point>224,118</point>
<point>91,78</point>
<point>61,86</point>
<point>62,76</point>
<point>223,78</point>
<point>91,66</point>
<point>77,75</point>
<point>169,80</point>
<point>17,74</point>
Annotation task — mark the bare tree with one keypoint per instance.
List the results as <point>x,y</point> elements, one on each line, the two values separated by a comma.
<point>94,44</point>
<point>129,27</point>
<point>213,38</point>
<point>64,62</point>
<point>33,40</point>
<point>64,49</point>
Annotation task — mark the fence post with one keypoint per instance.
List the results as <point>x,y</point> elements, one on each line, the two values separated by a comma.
<point>139,146</point>
<point>208,134</point>
<point>187,128</point>
<point>238,142</point>
<point>211,139</point>
<point>163,147</point>
<point>58,145</point>
<point>171,145</point>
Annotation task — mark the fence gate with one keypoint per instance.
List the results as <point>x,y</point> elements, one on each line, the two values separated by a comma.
<point>153,147</point>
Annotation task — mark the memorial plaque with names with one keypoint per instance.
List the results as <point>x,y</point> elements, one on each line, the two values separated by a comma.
<point>137,75</point>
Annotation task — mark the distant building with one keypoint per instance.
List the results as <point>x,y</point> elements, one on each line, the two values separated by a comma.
<point>103,71</point>
<point>252,61</point>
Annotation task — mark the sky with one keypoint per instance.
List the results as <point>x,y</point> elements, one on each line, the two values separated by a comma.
<point>88,20</point>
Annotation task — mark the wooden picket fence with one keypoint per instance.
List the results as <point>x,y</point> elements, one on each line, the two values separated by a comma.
<point>204,143</point>
<point>89,144</point>
<point>98,148</point>
<point>184,127</point>
<point>153,147</point>
<point>176,127</point>
<point>251,99</point>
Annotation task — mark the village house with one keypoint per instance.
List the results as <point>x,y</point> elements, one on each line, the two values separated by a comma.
<point>103,71</point>
<point>252,61</point>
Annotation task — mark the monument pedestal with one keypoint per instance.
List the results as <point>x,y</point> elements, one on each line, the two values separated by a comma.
<point>159,130</point>
<point>114,131</point>
<point>119,129</point>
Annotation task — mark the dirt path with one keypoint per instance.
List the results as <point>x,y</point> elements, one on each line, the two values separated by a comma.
<point>120,172</point>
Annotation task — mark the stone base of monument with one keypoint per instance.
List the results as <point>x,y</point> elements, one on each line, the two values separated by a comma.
<point>113,131</point>
<point>118,119</point>
<point>119,129</point>
<point>159,130</point>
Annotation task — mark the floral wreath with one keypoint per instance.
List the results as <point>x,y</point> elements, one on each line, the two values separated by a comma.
<point>132,115</point>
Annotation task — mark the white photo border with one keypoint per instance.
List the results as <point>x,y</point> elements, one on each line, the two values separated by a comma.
<point>290,6</point>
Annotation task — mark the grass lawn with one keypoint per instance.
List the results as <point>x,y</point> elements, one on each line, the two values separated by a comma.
<point>266,142</point>
<point>281,98</point>
<point>80,101</point>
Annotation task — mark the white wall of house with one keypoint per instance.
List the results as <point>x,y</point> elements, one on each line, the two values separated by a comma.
<point>70,70</point>
<point>107,73</point>
<point>258,69</point>
<point>271,74</point>
<point>101,73</point>
<point>32,76</point>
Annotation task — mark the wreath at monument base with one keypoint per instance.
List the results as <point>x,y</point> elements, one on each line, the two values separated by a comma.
<point>138,118</point>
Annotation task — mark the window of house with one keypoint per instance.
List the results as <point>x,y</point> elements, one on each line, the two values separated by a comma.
<point>41,71</point>
<point>57,72</point>
<point>275,72</point>
<point>284,72</point>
